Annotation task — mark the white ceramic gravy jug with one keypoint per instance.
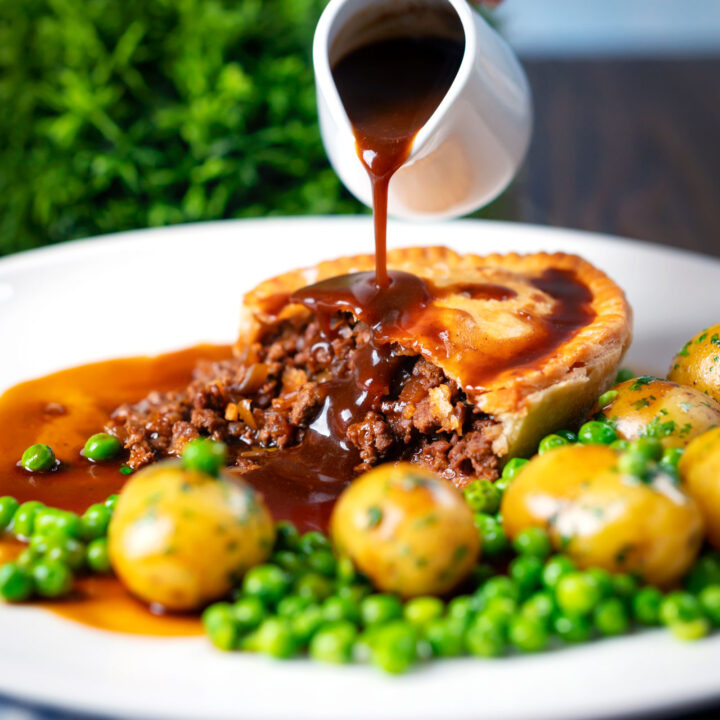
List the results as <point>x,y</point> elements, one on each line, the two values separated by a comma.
<point>471,147</point>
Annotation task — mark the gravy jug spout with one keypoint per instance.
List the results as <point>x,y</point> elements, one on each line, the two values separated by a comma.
<point>476,135</point>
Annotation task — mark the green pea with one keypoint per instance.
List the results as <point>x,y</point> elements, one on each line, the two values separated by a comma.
<point>267,582</point>
<point>24,518</point>
<point>56,521</point>
<point>38,545</point>
<point>219,624</point>
<point>533,541</point>
<point>8,508</point>
<point>205,456</point>
<point>111,502</point>
<point>527,634</point>
<point>568,435</point>
<point>550,442</point>
<point>610,617</point>
<point>482,496</point>
<point>345,571</point>
<point>500,609</point>
<point>421,610</point>
<point>94,521</point>
<point>462,608</point>
<point>323,562</point>
<point>66,550</point>
<point>577,593</point>
<point>485,638</point>
<point>690,630</point>
<point>101,447</point>
<point>494,540</point>
<point>650,448</point>
<point>540,606</point>
<point>706,571</point>
<point>286,536</point>
<point>52,578</point>
<point>526,571</point>
<point>624,586</point>
<point>313,540</point>
<point>620,445</point>
<point>634,464</point>
<point>444,635</point>
<point>604,581</point>
<point>306,623</point>
<point>16,583</point>
<point>379,609</point>
<point>337,608</point>
<point>671,456</point>
<point>394,647</point>
<point>314,586</point>
<point>502,484</point>
<point>26,559</point>
<point>274,637</point>
<point>500,586</point>
<point>355,592</point>
<point>97,556</point>
<point>555,568</point>
<point>249,612</point>
<point>623,375</point>
<point>289,561</point>
<point>596,432</point>
<point>607,397</point>
<point>38,458</point>
<point>710,601</point>
<point>646,606</point>
<point>572,628</point>
<point>334,643</point>
<point>290,605</point>
<point>679,607</point>
<point>513,467</point>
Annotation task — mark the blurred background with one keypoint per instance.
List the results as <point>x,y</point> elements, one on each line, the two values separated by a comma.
<point>120,114</point>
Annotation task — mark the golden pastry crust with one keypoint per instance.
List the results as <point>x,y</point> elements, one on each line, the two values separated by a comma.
<point>499,348</point>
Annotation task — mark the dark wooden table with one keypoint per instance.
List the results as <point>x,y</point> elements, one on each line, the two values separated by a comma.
<point>626,147</point>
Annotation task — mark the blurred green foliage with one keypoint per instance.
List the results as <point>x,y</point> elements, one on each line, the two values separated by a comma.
<point>118,114</point>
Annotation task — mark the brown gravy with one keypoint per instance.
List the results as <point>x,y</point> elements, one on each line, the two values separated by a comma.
<point>63,409</point>
<point>390,89</point>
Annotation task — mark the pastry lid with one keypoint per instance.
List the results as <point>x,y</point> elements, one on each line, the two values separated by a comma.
<point>520,334</point>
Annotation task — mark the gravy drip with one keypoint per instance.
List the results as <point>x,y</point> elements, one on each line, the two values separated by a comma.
<point>390,88</point>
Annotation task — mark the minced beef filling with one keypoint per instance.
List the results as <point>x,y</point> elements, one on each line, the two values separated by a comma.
<point>265,400</point>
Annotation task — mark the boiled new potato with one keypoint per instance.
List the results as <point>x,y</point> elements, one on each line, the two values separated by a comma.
<point>672,413</point>
<point>407,529</point>
<point>700,469</point>
<point>698,363</point>
<point>601,518</point>
<point>181,538</point>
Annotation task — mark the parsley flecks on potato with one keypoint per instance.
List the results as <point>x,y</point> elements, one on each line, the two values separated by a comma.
<point>652,407</point>
<point>182,538</point>
<point>700,469</point>
<point>698,363</point>
<point>407,529</point>
<point>601,518</point>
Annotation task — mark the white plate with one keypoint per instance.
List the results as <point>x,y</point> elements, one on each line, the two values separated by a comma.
<point>149,291</point>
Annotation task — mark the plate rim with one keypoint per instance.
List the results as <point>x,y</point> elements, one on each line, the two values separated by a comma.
<point>28,259</point>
